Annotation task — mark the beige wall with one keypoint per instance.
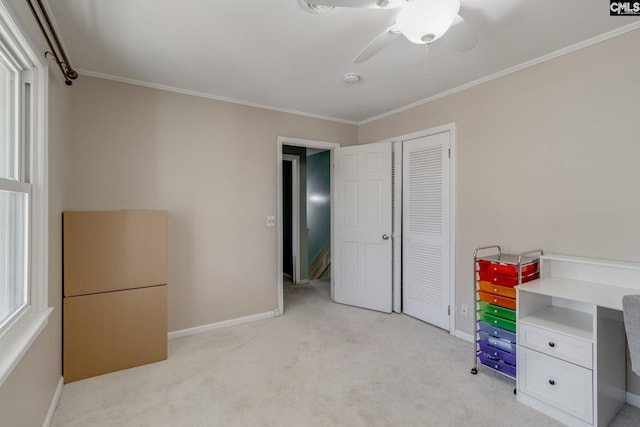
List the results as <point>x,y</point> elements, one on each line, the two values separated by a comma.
<point>547,157</point>
<point>212,165</point>
<point>25,397</point>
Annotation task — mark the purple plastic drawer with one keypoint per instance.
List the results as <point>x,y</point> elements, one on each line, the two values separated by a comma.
<point>499,343</point>
<point>498,365</point>
<point>496,353</point>
<point>497,332</point>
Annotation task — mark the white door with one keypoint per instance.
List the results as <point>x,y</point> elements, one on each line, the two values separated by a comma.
<point>425,228</point>
<point>362,233</point>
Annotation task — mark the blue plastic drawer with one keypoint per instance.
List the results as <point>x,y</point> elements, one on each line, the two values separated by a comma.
<point>496,353</point>
<point>498,365</point>
<point>497,332</point>
<point>499,343</point>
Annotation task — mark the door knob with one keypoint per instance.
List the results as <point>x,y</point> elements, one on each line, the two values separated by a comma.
<point>385,237</point>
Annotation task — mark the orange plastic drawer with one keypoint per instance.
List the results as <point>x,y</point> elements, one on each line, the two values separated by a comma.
<point>503,291</point>
<point>510,281</point>
<point>507,269</point>
<point>497,300</point>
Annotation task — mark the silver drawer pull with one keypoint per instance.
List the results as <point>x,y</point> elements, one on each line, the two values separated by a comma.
<point>552,344</point>
<point>552,382</point>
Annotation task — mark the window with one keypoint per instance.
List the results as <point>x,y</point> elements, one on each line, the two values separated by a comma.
<point>14,196</point>
<point>23,195</point>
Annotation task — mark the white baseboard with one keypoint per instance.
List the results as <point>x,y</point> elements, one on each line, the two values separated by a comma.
<point>633,399</point>
<point>223,324</point>
<point>465,336</point>
<point>54,404</point>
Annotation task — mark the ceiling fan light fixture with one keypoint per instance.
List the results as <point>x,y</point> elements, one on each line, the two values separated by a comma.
<point>425,21</point>
<point>391,4</point>
<point>315,8</point>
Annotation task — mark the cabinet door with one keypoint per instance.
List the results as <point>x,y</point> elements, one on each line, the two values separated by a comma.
<point>555,382</point>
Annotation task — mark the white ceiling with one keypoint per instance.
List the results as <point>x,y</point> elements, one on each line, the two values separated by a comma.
<point>272,53</point>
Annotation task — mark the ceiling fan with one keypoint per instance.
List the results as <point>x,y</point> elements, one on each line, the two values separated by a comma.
<point>419,21</point>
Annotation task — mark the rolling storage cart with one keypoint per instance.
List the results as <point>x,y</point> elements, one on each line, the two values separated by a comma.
<point>495,276</point>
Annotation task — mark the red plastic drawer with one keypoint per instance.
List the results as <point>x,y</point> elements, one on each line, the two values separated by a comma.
<point>503,291</point>
<point>497,300</point>
<point>507,269</point>
<point>510,281</point>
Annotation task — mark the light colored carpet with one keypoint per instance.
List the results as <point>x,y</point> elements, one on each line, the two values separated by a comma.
<point>321,364</point>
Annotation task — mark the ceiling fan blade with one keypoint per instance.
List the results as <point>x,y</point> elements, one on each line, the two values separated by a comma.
<point>460,36</point>
<point>364,4</point>
<point>376,45</point>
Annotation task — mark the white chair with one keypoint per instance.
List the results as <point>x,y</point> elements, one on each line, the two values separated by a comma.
<point>631,311</point>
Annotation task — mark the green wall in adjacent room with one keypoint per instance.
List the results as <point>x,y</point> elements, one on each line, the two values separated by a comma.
<point>318,202</point>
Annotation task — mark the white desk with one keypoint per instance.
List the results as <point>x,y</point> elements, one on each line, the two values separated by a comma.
<point>571,339</point>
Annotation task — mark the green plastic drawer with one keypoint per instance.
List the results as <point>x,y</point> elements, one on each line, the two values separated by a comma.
<point>495,310</point>
<point>500,322</point>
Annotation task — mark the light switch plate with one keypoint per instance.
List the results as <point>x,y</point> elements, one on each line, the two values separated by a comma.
<point>271,221</point>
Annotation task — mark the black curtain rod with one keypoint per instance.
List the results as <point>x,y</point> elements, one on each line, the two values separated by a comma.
<point>65,66</point>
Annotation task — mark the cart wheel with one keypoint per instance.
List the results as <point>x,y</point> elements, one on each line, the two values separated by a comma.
<point>474,371</point>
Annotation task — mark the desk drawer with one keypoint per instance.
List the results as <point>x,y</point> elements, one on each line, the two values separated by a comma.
<point>560,384</point>
<point>567,348</point>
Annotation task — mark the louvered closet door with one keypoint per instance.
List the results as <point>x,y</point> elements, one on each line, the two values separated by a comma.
<point>425,251</point>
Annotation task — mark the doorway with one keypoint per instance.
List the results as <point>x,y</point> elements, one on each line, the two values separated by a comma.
<point>293,219</point>
<point>306,214</point>
<point>445,271</point>
<point>290,217</point>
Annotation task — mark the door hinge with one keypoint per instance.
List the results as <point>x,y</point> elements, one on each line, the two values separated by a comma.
<point>449,150</point>
<point>449,310</point>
